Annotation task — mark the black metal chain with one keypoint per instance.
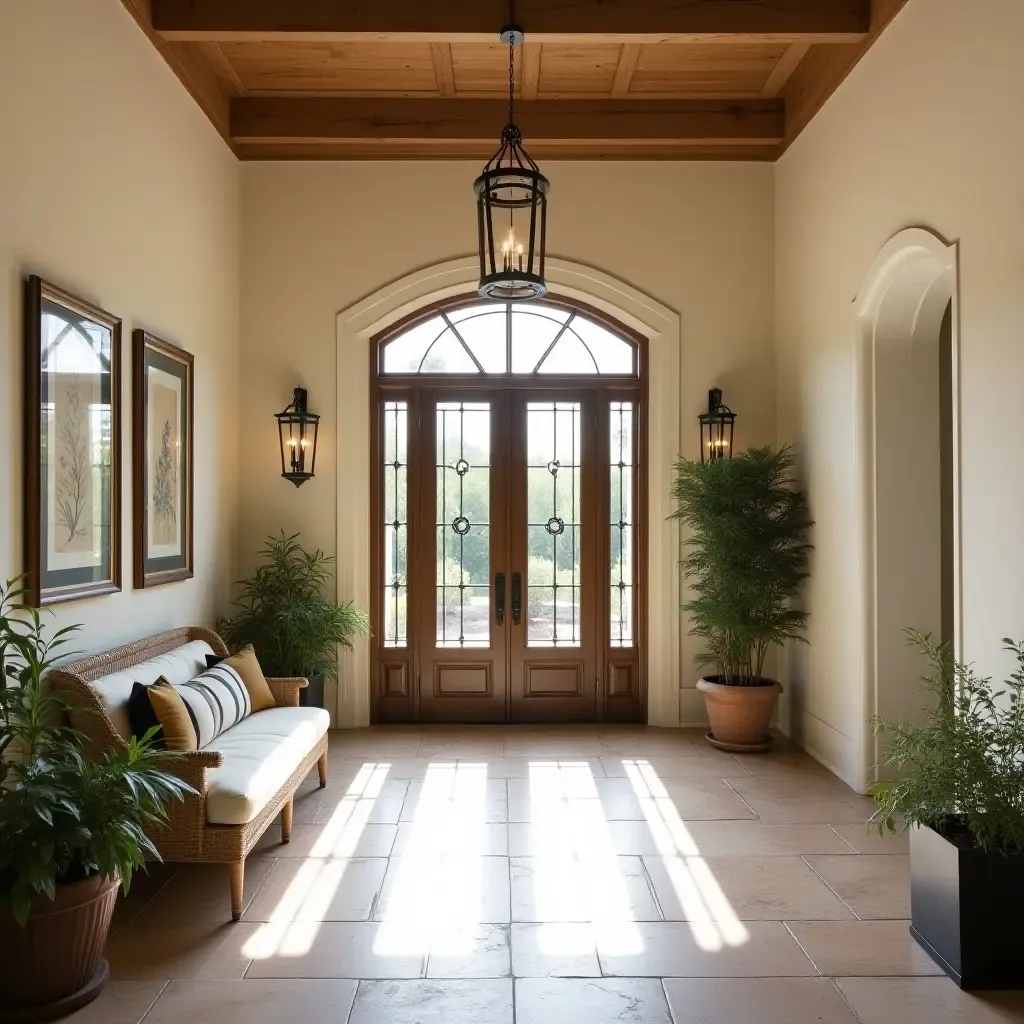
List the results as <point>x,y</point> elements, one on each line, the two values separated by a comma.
<point>512,81</point>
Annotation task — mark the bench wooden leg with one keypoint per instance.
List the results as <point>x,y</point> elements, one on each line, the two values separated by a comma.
<point>237,871</point>
<point>286,820</point>
<point>321,766</point>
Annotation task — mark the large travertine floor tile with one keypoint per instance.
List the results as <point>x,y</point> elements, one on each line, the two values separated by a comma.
<point>315,889</point>
<point>747,888</point>
<point>813,799</point>
<point>196,951</point>
<point>756,1001</point>
<point>873,887</point>
<point>535,767</point>
<point>863,948</point>
<point>928,1001</point>
<point>588,888</point>
<point>254,1002</point>
<point>379,743</point>
<point>433,1002</point>
<point>481,951</point>
<point>457,798</point>
<point>121,1002</point>
<point>338,837</point>
<point>202,893</point>
<point>667,949</point>
<point>344,770</point>
<point>864,841</point>
<point>591,1001</point>
<point>688,764</point>
<point>336,950</point>
<point>756,838</point>
<point>458,890</point>
<point>554,950</point>
<point>376,804</point>
<point>429,838</point>
<point>581,829</point>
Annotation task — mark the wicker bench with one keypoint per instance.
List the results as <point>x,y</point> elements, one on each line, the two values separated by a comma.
<point>231,782</point>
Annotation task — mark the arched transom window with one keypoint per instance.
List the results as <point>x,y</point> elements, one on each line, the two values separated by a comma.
<point>496,338</point>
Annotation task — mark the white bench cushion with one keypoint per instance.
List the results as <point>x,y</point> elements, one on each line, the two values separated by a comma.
<point>177,666</point>
<point>260,753</point>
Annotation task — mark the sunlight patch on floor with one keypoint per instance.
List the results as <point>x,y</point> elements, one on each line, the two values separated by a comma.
<point>711,917</point>
<point>295,921</point>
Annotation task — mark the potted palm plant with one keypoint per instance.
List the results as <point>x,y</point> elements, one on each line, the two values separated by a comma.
<point>71,829</point>
<point>283,612</point>
<point>748,560</point>
<point>960,792</point>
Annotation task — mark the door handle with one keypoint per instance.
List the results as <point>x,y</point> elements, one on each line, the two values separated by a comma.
<point>499,597</point>
<point>517,598</point>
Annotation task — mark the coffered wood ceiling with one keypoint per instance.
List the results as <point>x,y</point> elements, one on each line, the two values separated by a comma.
<point>612,79</point>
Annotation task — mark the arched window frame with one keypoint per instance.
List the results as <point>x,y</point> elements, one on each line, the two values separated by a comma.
<point>534,377</point>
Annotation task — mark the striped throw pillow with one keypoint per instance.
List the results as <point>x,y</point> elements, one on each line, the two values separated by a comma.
<point>215,701</point>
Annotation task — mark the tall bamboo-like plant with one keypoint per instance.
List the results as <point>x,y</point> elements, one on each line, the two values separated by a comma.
<point>63,817</point>
<point>748,559</point>
<point>283,612</point>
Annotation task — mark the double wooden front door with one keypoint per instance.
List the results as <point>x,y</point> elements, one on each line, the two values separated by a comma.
<point>507,554</point>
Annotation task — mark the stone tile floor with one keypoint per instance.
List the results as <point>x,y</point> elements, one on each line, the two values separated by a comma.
<point>559,875</point>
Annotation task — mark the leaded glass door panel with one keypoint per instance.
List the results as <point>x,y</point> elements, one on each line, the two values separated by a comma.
<point>460,562</point>
<point>554,532</point>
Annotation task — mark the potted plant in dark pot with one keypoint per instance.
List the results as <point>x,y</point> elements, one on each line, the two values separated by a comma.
<point>748,560</point>
<point>71,829</point>
<point>960,793</point>
<point>282,610</point>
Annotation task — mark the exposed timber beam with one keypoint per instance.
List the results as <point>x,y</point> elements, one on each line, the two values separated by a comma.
<point>611,124</point>
<point>620,21</point>
<point>629,55</point>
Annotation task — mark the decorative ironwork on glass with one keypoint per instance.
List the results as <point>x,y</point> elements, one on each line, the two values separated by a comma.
<point>500,338</point>
<point>396,589</point>
<point>553,437</point>
<point>512,208</point>
<point>622,463</point>
<point>463,535</point>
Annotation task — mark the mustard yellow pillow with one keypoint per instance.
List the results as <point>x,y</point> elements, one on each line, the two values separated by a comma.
<point>179,730</point>
<point>249,671</point>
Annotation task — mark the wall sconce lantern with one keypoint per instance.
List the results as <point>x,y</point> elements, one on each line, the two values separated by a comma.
<point>716,426</point>
<point>298,427</point>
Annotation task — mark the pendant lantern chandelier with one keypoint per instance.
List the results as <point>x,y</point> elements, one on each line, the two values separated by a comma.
<point>512,206</point>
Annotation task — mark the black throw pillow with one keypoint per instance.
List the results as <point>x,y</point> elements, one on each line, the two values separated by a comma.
<point>212,660</point>
<point>142,716</point>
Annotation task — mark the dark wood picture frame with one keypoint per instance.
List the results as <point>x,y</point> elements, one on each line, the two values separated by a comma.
<point>153,569</point>
<point>49,582</point>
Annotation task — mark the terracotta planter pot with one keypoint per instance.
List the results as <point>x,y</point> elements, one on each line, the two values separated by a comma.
<point>740,716</point>
<point>55,963</point>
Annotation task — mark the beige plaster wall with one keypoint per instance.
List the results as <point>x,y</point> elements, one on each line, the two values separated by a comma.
<point>926,132</point>
<point>114,186</point>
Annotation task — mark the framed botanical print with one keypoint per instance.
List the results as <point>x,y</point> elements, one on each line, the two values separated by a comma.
<point>162,394</point>
<point>73,446</point>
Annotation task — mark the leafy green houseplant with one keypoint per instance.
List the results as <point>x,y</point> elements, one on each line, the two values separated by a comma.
<point>960,793</point>
<point>71,829</point>
<point>283,611</point>
<point>747,562</point>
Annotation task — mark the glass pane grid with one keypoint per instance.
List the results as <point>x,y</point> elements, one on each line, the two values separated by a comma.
<point>396,525</point>
<point>462,583</point>
<point>553,439</point>
<point>621,458</point>
<point>497,338</point>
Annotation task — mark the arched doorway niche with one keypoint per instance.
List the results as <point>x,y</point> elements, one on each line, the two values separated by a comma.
<point>359,324</point>
<point>907,322</point>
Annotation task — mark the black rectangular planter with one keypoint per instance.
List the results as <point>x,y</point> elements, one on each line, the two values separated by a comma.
<point>312,696</point>
<point>967,910</point>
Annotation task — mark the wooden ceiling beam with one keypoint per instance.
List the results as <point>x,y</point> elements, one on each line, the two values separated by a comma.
<point>601,123</point>
<point>617,21</point>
